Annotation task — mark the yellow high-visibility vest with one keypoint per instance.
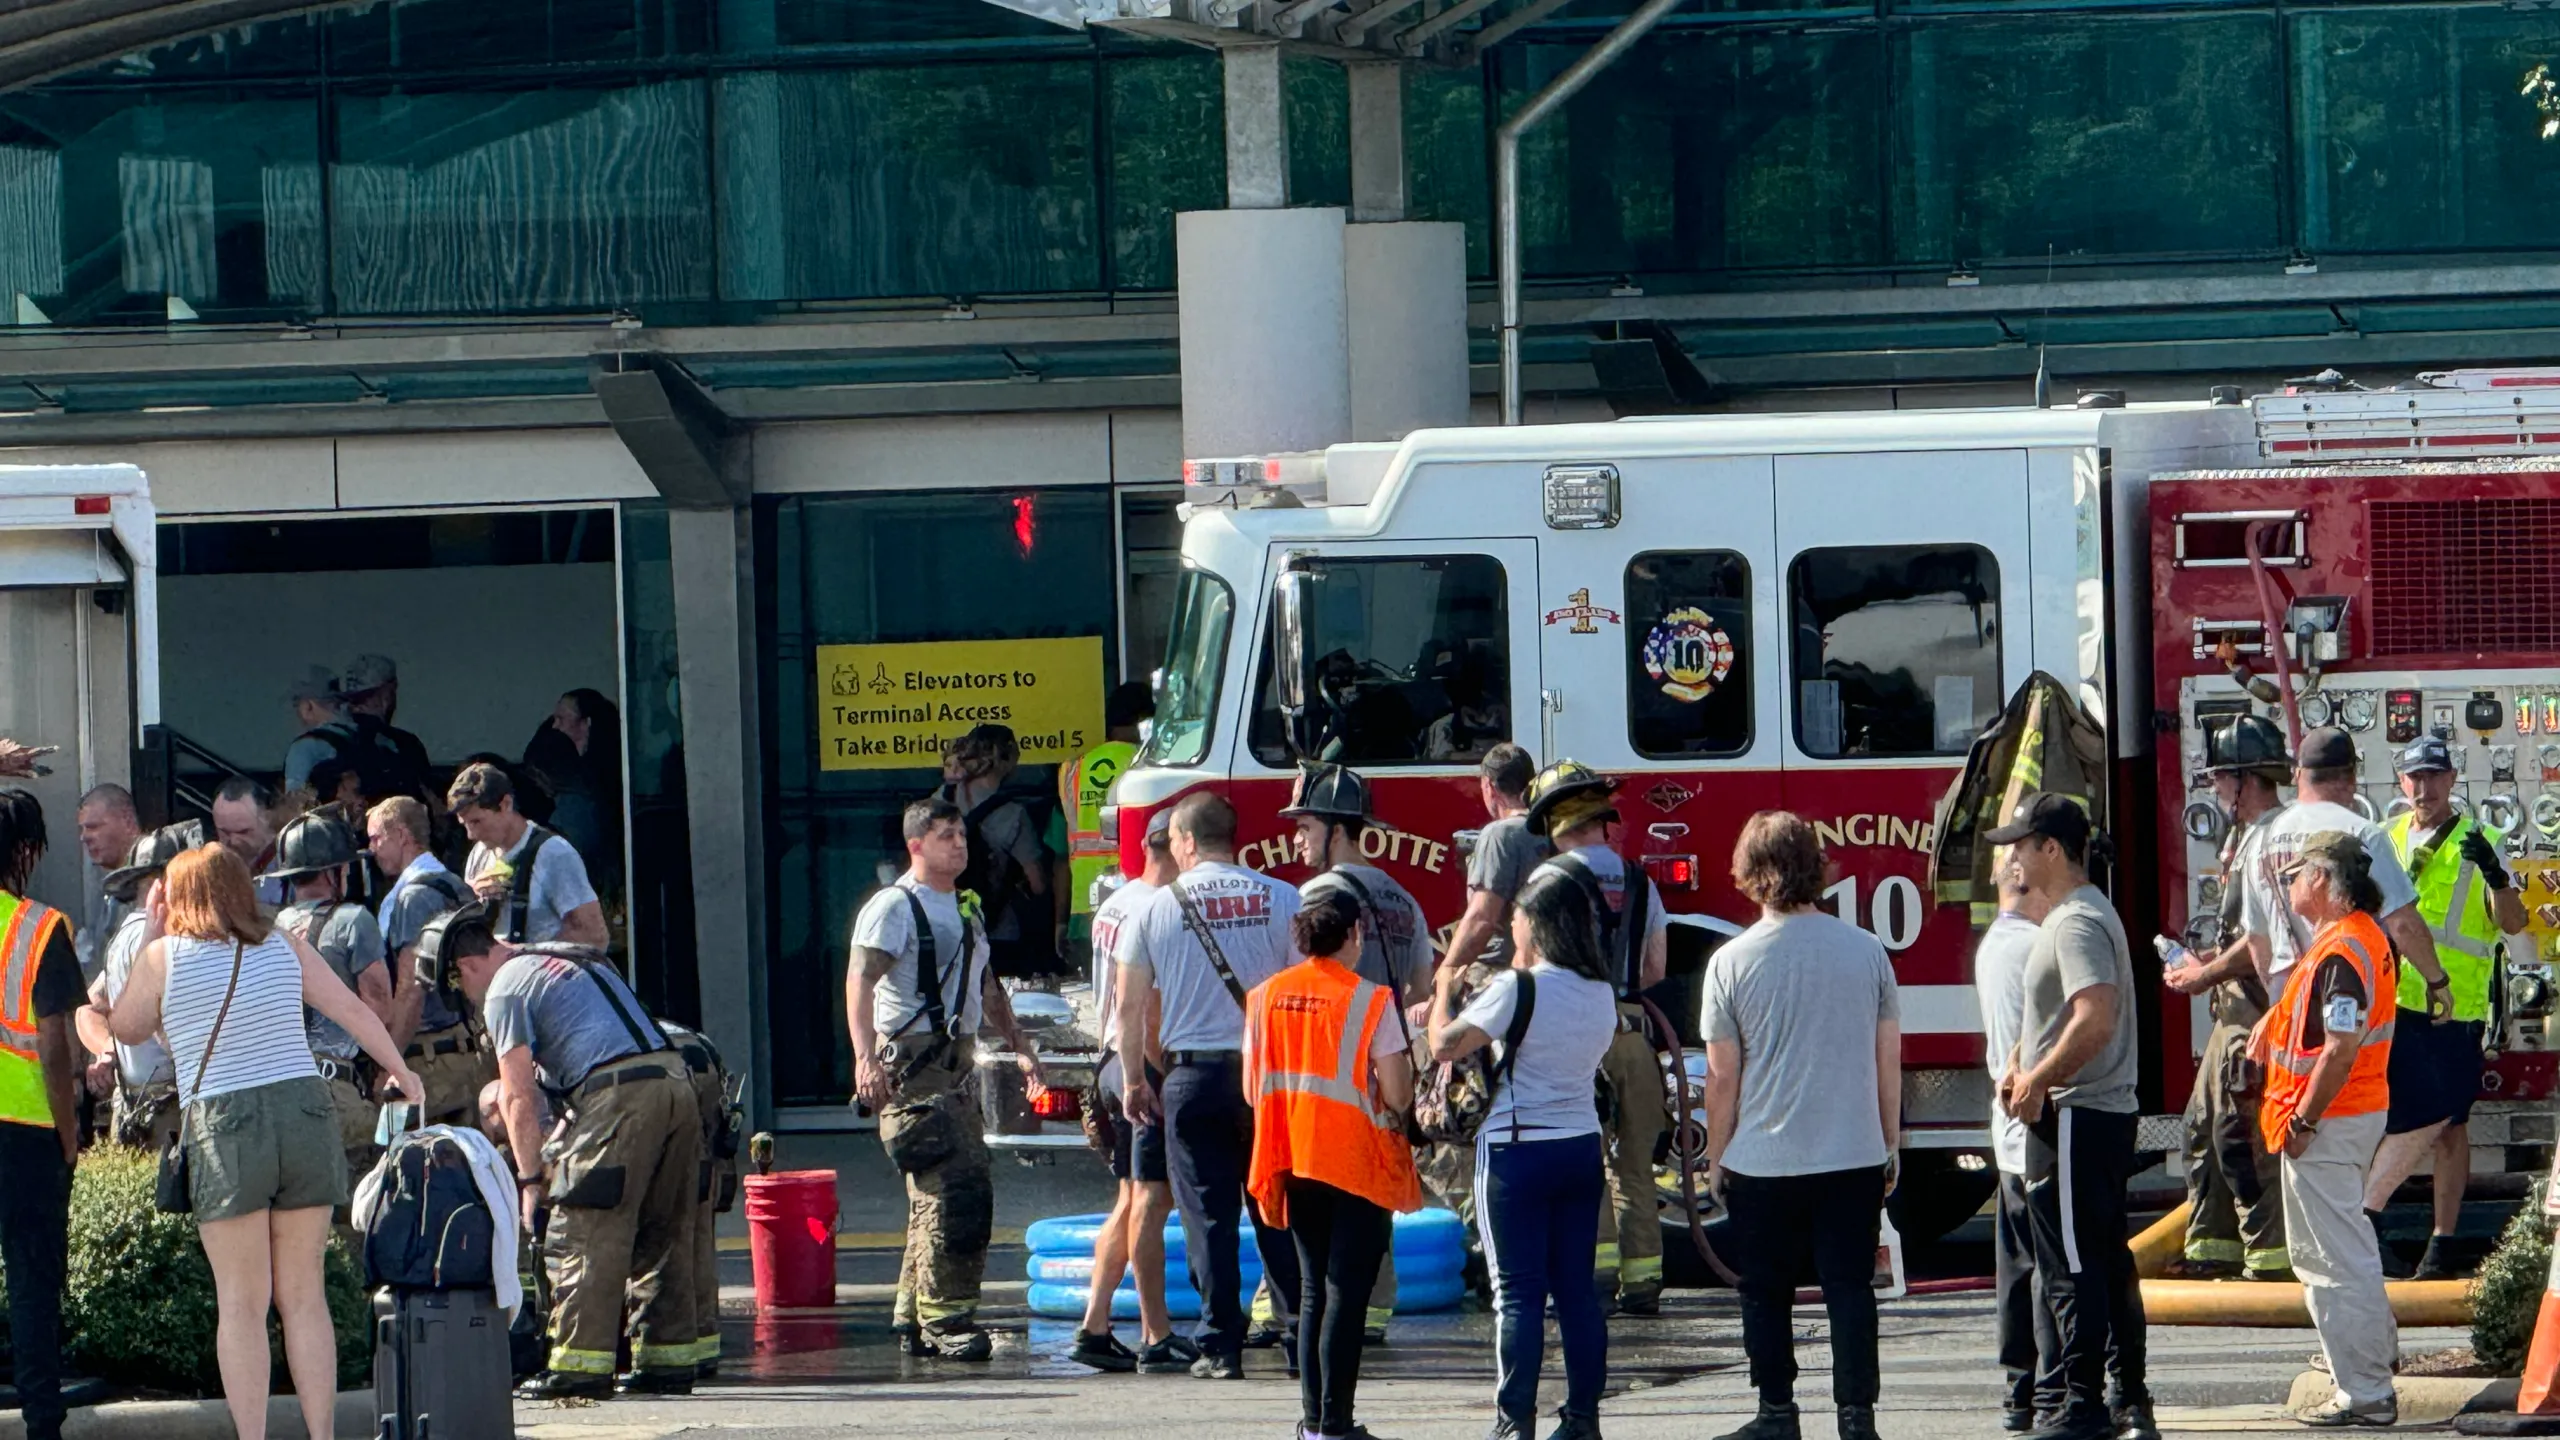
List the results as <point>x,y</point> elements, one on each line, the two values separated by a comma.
<point>25,929</point>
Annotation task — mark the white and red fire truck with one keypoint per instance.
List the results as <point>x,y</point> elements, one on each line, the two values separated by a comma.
<point>1815,612</point>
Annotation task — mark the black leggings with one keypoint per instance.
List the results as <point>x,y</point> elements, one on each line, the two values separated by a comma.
<point>1340,1239</point>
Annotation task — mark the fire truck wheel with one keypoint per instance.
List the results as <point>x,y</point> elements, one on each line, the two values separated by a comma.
<point>1940,1190</point>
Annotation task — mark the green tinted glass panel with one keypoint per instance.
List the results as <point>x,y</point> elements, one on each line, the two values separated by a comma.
<point>2411,133</point>
<point>1317,97</point>
<point>442,36</point>
<point>2088,136</point>
<point>889,567</point>
<point>468,202</point>
<point>663,947</point>
<point>1446,175</point>
<point>924,180</point>
<point>1705,152</point>
<point>1167,123</point>
<point>114,202</point>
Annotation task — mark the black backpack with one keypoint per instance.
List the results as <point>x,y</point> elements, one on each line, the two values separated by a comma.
<point>368,753</point>
<point>427,1227</point>
<point>993,875</point>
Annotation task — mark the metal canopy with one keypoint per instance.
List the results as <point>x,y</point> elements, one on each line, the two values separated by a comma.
<point>42,39</point>
<point>1328,29</point>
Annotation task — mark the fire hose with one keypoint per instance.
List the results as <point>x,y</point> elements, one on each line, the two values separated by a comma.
<point>1688,1138</point>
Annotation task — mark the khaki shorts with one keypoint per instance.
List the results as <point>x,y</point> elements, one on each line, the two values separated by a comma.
<point>272,1147</point>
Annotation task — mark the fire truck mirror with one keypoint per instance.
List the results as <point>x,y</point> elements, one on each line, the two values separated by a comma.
<point>1293,601</point>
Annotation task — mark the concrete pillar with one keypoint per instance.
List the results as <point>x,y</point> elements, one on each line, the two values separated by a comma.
<point>1405,288</point>
<point>1266,361</point>
<point>1257,129</point>
<point>712,558</point>
<point>1377,141</point>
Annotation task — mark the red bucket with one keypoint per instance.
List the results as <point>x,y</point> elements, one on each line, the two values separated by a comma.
<point>791,1232</point>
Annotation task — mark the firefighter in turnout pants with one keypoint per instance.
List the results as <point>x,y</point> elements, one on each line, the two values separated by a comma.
<point>2235,1210</point>
<point>721,1129</point>
<point>919,985</point>
<point>623,1178</point>
<point>313,852</point>
<point>1571,805</point>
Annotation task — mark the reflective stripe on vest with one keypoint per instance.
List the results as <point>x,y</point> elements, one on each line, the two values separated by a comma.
<point>26,927</point>
<point>2278,1041</point>
<point>1309,1031</point>
<point>2455,906</point>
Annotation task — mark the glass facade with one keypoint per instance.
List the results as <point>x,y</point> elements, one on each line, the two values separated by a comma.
<point>853,569</point>
<point>574,156</point>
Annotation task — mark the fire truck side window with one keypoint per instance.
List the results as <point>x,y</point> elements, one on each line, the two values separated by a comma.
<point>1415,663</point>
<point>1896,648</point>
<point>1688,653</point>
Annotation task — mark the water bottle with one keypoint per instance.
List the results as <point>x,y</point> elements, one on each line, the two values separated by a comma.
<point>2173,955</point>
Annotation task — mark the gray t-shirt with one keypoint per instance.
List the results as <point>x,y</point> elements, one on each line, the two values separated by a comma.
<point>1548,1092</point>
<point>2000,983</point>
<point>1802,995</point>
<point>147,1062</point>
<point>887,924</point>
<point>1505,853</point>
<point>556,1007</point>
<point>2266,911</point>
<point>1111,919</point>
<point>2081,944</point>
<point>351,942</point>
<point>405,913</point>
<point>1397,943</point>
<point>1249,912</point>
<point>560,885</point>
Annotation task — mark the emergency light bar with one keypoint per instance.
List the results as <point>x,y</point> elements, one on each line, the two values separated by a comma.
<point>1254,482</point>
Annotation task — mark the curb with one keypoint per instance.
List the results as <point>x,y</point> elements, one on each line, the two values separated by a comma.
<point>2424,1399</point>
<point>194,1420</point>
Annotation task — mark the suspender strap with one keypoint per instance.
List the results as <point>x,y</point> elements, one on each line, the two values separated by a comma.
<point>1208,939</point>
<point>520,863</point>
<point>1523,1005</point>
<point>1369,918</point>
<point>935,1010</point>
<point>644,1032</point>
<point>1633,916</point>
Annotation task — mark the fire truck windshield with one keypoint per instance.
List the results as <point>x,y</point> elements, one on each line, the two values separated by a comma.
<point>1194,658</point>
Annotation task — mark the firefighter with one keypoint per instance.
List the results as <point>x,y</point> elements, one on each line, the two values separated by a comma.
<point>721,1128</point>
<point>2471,904</point>
<point>920,983</point>
<point>623,1178</point>
<point>1572,805</point>
<point>1332,812</point>
<point>312,855</point>
<point>2235,1211</point>
<point>145,1081</point>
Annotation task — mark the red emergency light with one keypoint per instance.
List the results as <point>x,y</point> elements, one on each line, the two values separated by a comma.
<point>1053,1103</point>
<point>90,505</point>
<point>1672,872</point>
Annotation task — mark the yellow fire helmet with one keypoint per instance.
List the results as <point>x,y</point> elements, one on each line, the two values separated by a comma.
<point>1569,794</point>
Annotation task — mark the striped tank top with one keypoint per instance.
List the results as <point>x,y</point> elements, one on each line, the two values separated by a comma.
<point>263,1040</point>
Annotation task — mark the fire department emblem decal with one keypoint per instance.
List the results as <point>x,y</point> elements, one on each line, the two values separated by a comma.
<point>1579,609</point>
<point>1668,796</point>
<point>1688,654</point>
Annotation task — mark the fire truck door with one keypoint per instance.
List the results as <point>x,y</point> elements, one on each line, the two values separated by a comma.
<point>1902,575</point>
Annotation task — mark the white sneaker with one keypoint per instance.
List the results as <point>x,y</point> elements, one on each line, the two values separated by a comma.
<point>2340,1412</point>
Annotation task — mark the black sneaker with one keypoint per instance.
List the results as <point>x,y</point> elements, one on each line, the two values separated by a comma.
<point>1171,1355</point>
<point>654,1382</point>
<point>1103,1352</point>
<point>706,1369</point>
<point>1857,1422</point>
<point>1508,1427</point>
<point>910,1339</point>
<point>2439,1263</point>
<point>1774,1422</point>
<point>2092,1426</point>
<point>1264,1335</point>
<point>956,1340</point>
<point>1575,1427</point>
<point>2134,1421</point>
<point>2393,1267</point>
<point>560,1385</point>
<point>2017,1421</point>
<point>1218,1367</point>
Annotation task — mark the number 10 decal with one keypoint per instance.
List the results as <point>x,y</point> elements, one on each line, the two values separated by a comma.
<point>1894,914</point>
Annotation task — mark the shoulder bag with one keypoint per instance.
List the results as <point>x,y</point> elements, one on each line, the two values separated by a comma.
<point>172,1193</point>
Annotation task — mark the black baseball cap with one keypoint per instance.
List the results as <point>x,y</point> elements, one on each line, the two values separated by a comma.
<point>2327,748</point>
<point>2055,817</point>
<point>2426,753</point>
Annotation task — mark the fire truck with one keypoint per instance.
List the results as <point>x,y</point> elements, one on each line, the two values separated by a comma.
<point>1820,613</point>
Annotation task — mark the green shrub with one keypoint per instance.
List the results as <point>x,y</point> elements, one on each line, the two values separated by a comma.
<point>139,1309</point>
<point>2506,1294</point>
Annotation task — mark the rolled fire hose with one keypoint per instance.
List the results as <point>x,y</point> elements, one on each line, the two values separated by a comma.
<point>2266,1302</point>
<point>1666,1040</point>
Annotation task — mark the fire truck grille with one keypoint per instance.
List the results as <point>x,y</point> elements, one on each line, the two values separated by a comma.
<point>2464,576</point>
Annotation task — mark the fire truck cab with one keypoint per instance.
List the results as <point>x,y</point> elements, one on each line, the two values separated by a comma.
<point>1813,612</point>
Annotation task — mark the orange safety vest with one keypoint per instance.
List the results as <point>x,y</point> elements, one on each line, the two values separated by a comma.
<point>2278,1041</point>
<point>25,929</point>
<point>1307,1071</point>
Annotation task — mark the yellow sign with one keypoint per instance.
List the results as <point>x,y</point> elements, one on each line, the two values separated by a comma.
<point>895,707</point>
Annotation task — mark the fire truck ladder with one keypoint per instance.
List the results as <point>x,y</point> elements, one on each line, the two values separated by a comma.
<point>2450,414</point>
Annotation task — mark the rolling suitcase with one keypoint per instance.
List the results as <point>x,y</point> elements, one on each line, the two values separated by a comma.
<point>440,1366</point>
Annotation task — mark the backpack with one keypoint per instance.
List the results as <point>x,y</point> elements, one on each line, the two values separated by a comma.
<point>367,753</point>
<point>1454,1097</point>
<point>424,1224</point>
<point>432,970</point>
<point>992,874</point>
